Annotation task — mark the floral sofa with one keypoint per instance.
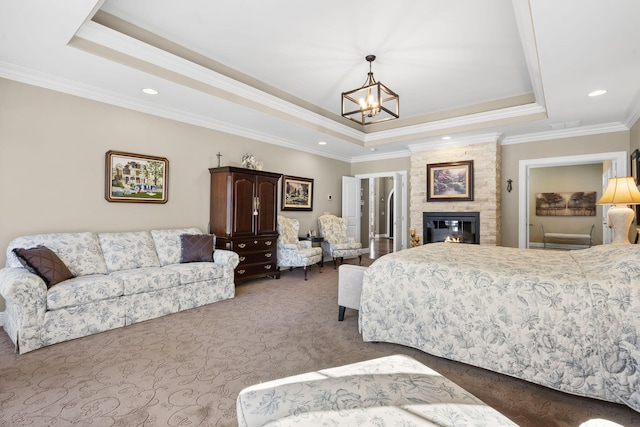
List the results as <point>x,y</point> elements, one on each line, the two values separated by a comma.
<point>115,279</point>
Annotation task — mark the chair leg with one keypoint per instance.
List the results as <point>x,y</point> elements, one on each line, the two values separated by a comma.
<point>341,310</point>
<point>305,272</point>
<point>359,259</point>
<point>335,266</point>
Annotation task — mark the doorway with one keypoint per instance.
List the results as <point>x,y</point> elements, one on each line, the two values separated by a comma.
<point>616,163</point>
<point>394,220</point>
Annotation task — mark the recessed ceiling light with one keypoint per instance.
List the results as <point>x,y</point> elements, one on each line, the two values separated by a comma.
<point>597,92</point>
<point>322,143</point>
<point>446,137</point>
<point>373,149</point>
<point>150,91</point>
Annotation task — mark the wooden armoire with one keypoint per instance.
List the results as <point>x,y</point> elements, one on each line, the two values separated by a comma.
<point>243,216</point>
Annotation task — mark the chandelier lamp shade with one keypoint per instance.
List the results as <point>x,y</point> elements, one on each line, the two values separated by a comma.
<point>371,103</point>
<point>620,192</point>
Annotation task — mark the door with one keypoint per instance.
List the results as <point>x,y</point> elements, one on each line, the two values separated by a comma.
<point>351,205</point>
<point>399,212</point>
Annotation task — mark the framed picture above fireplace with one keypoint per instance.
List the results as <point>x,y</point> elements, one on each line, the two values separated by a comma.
<point>450,182</point>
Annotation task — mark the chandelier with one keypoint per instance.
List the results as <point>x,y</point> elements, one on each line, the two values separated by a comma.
<point>371,103</point>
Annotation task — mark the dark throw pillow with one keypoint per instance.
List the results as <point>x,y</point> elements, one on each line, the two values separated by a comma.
<point>45,263</point>
<point>197,247</point>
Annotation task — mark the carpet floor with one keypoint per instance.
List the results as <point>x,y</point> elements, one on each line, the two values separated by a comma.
<point>186,369</point>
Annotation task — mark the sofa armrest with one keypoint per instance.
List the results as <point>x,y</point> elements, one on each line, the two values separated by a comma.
<point>228,259</point>
<point>23,288</point>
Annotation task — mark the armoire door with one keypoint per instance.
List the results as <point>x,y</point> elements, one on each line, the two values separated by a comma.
<point>267,194</point>
<point>243,222</point>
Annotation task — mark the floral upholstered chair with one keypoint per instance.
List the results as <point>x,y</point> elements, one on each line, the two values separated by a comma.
<point>294,253</point>
<point>336,243</point>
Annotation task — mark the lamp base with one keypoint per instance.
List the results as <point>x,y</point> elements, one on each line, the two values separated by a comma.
<point>619,217</point>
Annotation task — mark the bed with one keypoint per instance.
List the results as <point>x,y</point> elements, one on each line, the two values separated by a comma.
<point>568,320</point>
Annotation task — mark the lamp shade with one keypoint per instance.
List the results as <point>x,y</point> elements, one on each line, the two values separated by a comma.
<point>620,191</point>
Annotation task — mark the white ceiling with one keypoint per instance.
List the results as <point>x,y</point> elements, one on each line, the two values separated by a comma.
<point>274,70</point>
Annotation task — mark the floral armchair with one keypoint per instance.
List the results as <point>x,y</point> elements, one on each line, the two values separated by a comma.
<point>336,243</point>
<point>294,253</point>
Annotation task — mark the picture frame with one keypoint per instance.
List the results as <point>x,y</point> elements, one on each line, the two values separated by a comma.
<point>297,193</point>
<point>136,178</point>
<point>450,182</point>
<point>635,169</point>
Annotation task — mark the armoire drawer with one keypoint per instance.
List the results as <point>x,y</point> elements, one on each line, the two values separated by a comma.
<point>254,244</point>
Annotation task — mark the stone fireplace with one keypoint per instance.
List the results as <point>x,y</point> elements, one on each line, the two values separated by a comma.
<point>462,227</point>
<point>485,151</point>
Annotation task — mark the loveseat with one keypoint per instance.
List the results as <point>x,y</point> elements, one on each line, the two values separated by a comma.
<point>117,279</point>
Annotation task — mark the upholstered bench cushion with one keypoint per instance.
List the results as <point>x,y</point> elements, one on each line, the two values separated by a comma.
<point>396,390</point>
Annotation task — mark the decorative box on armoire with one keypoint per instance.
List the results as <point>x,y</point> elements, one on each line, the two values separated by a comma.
<point>243,216</point>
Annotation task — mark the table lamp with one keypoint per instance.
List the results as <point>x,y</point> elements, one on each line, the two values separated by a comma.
<point>620,192</point>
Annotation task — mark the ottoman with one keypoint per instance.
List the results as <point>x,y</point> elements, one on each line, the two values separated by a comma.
<point>389,391</point>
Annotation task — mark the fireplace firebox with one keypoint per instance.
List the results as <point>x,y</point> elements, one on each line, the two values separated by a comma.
<point>462,227</point>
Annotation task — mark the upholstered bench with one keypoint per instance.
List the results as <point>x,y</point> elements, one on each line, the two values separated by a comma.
<point>349,287</point>
<point>396,389</point>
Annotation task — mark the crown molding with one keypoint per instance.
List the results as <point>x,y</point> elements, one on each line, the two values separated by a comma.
<point>254,98</point>
<point>457,122</point>
<point>454,142</point>
<point>566,133</point>
<point>381,156</point>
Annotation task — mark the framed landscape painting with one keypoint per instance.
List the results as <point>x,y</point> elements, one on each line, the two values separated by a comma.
<point>297,193</point>
<point>450,182</point>
<point>136,178</point>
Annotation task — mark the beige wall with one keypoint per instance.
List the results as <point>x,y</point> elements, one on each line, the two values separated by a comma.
<point>52,159</point>
<point>565,179</point>
<point>513,154</point>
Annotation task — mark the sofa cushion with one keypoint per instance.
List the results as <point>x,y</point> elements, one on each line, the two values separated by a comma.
<point>43,262</point>
<point>197,271</point>
<point>80,252</point>
<point>124,251</point>
<point>83,290</point>
<point>197,247</point>
<point>146,279</point>
<point>168,243</point>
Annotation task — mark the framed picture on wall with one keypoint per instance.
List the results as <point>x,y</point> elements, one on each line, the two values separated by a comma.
<point>136,178</point>
<point>297,193</point>
<point>450,182</point>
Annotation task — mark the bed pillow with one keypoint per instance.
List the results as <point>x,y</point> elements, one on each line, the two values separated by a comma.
<point>197,247</point>
<point>43,262</point>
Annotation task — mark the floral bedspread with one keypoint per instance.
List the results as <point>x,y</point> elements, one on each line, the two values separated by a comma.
<point>568,320</point>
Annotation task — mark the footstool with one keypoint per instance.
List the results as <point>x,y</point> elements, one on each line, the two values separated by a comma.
<point>393,390</point>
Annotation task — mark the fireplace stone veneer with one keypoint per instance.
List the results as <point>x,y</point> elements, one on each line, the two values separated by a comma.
<point>462,226</point>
